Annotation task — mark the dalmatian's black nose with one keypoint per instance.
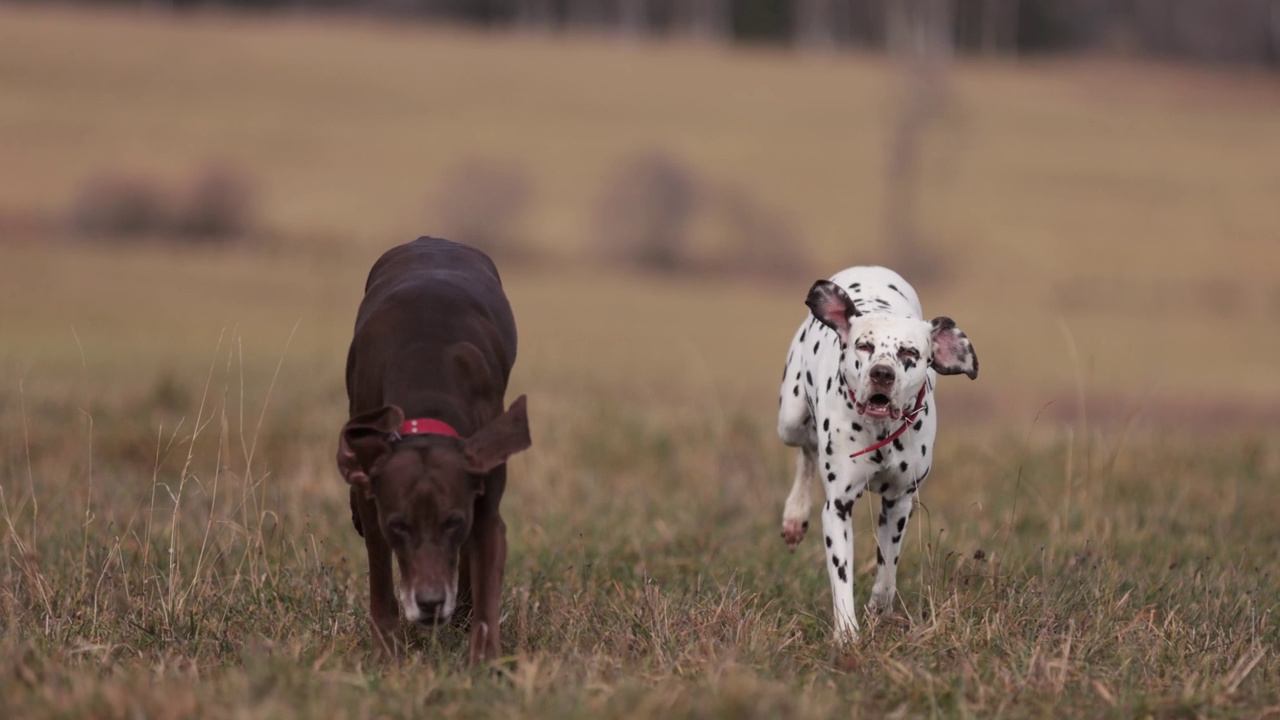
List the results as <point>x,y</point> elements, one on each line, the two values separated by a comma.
<point>882,375</point>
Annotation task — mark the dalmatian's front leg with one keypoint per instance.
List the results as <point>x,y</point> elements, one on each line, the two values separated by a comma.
<point>837,530</point>
<point>890,527</point>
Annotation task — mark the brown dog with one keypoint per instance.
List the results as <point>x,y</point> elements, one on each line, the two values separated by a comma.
<point>434,342</point>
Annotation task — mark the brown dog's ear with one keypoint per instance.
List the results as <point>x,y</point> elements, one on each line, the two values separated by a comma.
<point>364,441</point>
<point>507,435</point>
<point>470,370</point>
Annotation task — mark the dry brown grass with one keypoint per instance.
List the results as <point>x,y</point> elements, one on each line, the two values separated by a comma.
<point>1115,247</point>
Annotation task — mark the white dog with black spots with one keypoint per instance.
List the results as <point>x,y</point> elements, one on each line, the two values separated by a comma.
<point>857,399</point>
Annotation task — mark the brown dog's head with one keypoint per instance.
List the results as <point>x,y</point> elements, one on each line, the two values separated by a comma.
<point>425,487</point>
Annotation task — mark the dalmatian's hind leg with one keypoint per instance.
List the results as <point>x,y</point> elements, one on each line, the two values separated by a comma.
<point>795,513</point>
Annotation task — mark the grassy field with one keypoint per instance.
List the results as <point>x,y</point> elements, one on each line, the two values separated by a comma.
<point>1098,538</point>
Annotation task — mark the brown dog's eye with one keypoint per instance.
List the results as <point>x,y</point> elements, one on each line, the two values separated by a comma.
<point>454,524</point>
<point>398,530</point>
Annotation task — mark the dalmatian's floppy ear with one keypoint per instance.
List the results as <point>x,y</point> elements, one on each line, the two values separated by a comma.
<point>831,305</point>
<point>952,352</point>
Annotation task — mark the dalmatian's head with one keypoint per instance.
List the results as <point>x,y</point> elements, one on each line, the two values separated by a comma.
<point>885,358</point>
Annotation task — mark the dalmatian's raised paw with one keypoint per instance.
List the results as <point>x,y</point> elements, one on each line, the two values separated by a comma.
<point>793,531</point>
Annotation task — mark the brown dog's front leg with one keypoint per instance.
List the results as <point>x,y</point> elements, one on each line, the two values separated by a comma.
<point>383,610</point>
<point>488,559</point>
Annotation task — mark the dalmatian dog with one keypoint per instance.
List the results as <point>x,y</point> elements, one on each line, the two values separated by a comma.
<point>857,400</point>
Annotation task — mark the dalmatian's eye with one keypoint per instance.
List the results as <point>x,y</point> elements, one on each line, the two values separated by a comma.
<point>866,347</point>
<point>907,353</point>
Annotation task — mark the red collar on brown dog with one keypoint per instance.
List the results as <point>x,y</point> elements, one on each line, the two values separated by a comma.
<point>427,426</point>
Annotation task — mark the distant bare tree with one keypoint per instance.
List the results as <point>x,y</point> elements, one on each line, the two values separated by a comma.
<point>814,23</point>
<point>710,19</point>
<point>999,26</point>
<point>537,15</point>
<point>1273,31</point>
<point>586,12</point>
<point>633,17</point>
<point>920,38</point>
<point>867,21</point>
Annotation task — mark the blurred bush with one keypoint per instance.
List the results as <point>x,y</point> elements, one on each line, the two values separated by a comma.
<point>654,208</point>
<point>481,201</point>
<point>218,204</point>
<point>761,240</point>
<point>643,215</point>
<point>114,204</point>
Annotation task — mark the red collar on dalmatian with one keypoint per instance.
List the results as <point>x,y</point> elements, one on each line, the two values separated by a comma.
<point>907,419</point>
<point>426,426</point>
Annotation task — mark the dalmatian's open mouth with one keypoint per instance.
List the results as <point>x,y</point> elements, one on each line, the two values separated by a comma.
<point>879,406</point>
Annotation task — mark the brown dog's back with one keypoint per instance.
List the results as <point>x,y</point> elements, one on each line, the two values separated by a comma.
<point>446,292</point>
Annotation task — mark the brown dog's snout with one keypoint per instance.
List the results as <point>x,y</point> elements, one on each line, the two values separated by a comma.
<point>430,608</point>
<point>882,374</point>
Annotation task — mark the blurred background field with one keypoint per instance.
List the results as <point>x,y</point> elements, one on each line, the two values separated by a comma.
<point>190,201</point>
<point>1120,208</point>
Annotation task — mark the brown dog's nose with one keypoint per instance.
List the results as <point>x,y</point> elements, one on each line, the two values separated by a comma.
<point>430,609</point>
<point>882,374</point>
